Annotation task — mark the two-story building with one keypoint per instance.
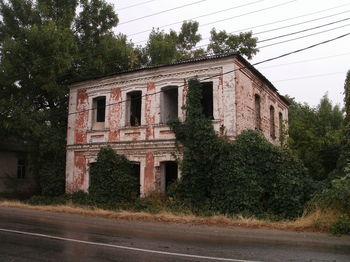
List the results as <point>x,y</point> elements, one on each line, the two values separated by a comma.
<point>129,111</point>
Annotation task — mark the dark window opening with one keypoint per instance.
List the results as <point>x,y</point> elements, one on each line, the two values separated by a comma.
<point>21,169</point>
<point>99,104</point>
<point>257,112</point>
<point>169,104</point>
<point>169,174</point>
<point>207,99</point>
<point>280,120</point>
<point>272,122</point>
<point>135,171</point>
<point>134,108</point>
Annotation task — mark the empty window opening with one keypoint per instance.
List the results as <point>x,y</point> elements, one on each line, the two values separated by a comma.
<point>169,103</point>
<point>169,174</point>
<point>21,169</point>
<point>207,99</point>
<point>133,112</point>
<point>272,122</point>
<point>135,171</point>
<point>257,112</point>
<point>99,105</point>
<point>280,120</point>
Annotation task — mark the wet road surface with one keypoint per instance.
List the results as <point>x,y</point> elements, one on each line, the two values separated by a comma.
<point>27,235</point>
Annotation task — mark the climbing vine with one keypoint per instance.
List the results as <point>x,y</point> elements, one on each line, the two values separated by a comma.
<point>249,176</point>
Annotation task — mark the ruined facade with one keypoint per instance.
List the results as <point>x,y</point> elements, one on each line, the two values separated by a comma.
<point>16,178</point>
<point>129,111</point>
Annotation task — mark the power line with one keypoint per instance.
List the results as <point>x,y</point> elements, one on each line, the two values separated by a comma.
<point>306,60</point>
<point>217,12</point>
<point>293,33</point>
<point>304,30</point>
<point>304,22</point>
<point>284,20</point>
<point>130,6</point>
<point>233,17</point>
<point>161,12</point>
<point>249,13</point>
<point>230,71</point>
<point>297,38</point>
<point>310,76</point>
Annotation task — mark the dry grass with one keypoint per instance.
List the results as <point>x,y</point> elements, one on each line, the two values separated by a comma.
<point>317,221</point>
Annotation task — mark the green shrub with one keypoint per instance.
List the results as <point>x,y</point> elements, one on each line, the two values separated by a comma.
<point>342,226</point>
<point>259,178</point>
<point>111,179</point>
<point>82,198</point>
<point>47,200</point>
<point>335,197</point>
<point>250,176</point>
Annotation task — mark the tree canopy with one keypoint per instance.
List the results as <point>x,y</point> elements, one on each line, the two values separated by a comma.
<point>315,135</point>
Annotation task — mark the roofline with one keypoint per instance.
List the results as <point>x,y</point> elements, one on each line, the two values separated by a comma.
<point>188,61</point>
<point>256,71</point>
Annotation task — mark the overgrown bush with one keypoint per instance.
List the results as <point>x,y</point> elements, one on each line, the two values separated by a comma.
<point>48,200</point>
<point>261,179</point>
<point>111,179</point>
<point>342,226</point>
<point>250,176</point>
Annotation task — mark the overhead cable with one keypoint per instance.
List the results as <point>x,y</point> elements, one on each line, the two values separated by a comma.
<point>230,71</point>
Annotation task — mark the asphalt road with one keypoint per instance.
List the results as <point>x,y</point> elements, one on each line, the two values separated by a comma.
<point>27,235</point>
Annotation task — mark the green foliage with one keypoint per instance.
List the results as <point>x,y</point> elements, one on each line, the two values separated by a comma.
<point>344,160</point>
<point>243,43</point>
<point>342,226</point>
<point>260,179</point>
<point>82,198</point>
<point>44,45</point>
<point>249,176</point>
<point>315,135</point>
<point>48,200</point>
<point>111,179</point>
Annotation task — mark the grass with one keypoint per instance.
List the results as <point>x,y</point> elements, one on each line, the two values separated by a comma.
<point>317,221</point>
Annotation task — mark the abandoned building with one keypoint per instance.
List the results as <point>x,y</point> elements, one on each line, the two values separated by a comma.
<point>129,111</point>
<point>16,178</point>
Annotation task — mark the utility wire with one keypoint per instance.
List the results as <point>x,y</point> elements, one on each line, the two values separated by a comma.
<point>217,12</point>
<point>302,31</point>
<point>284,20</point>
<point>304,22</point>
<point>230,71</point>
<point>310,76</point>
<point>294,33</point>
<point>305,61</point>
<point>161,12</point>
<point>248,13</point>
<point>233,17</point>
<point>130,6</point>
<point>297,38</point>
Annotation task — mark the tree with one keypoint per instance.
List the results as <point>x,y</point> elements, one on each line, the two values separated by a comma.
<point>346,130</point>
<point>315,135</point>
<point>165,48</point>
<point>43,46</point>
<point>161,47</point>
<point>243,43</point>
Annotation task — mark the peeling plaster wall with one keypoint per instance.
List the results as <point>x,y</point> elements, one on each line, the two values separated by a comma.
<point>153,142</point>
<point>247,86</point>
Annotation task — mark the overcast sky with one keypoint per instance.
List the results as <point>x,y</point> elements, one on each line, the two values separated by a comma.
<point>307,76</point>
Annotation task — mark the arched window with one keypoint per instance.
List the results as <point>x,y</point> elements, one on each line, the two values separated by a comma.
<point>272,122</point>
<point>257,112</point>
